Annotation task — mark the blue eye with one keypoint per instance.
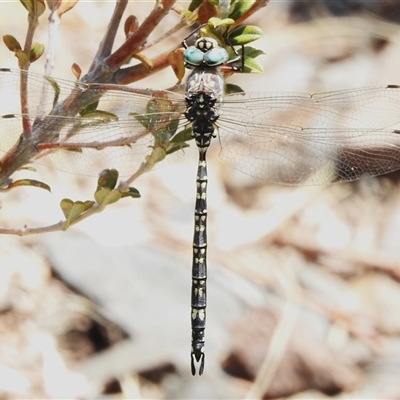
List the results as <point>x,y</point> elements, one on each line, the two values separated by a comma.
<point>216,56</point>
<point>193,56</point>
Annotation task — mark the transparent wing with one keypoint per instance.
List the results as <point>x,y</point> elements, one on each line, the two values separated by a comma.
<point>119,132</point>
<point>312,138</point>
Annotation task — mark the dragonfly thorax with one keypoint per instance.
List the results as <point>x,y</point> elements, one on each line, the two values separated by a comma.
<point>202,114</point>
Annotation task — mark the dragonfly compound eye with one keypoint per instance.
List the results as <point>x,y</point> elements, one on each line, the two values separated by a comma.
<point>216,56</point>
<point>193,56</point>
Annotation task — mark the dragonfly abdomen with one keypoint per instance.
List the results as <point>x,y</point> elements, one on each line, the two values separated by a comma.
<point>202,114</point>
<point>199,265</point>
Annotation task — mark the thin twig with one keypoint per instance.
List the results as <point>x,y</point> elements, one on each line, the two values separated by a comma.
<point>121,56</point>
<point>107,43</point>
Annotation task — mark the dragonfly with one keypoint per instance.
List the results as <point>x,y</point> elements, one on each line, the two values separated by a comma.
<point>284,138</point>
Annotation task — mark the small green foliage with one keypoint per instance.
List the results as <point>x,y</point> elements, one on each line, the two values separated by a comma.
<point>101,116</point>
<point>89,109</point>
<point>153,116</point>
<point>231,88</point>
<point>220,23</point>
<point>55,87</point>
<point>108,179</point>
<point>163,134</point>
<point>91,117</point>
<point>244,35</point>
<point>28,182</point>
<point>178,142</point>
<point>11,43</point>
<point>241,36</point>
<point>160,120</point>
<point>240,7</point>
<point>105,196</point>
<point>250,64</point>
<point>131,192</point>
<point>194,4</point>
<point>158,154</point>
<point>37,51</point>
<point>173,147</point>
<point>8,116</point>
<point>106,193</point>
<point>183,136</point>
<point>35,7</point>
<point>74,209</point>
<point>27,168</point>
<point>237,7</point>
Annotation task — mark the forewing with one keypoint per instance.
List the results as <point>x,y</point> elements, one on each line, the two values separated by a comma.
<point>312,139</point>
<point>115,128</point>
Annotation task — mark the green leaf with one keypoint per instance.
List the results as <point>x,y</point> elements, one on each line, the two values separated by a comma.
<point>173,147</point>
<point>90,108</point>
<point>40,7</point>
<point>154,109</point>
<point>252,52</point>
<point>250,64</point>
<point>73,209</point>
<point>240,8</point>
<point>11,43</point>
<point>28,4</point>
<point>27,168</point>
<point>163,135</point>
<point>8,116</point>
<point>107,179</point>
<point>37,51</point>
<point>215,22</point>
<point>131,192</point>
<point>183,136</point>
<point>29,182</point>
<point>105,196</point>
<point>101,116</point>
<point>194,4</point>
<point>35,7</point>
<point>231,88</point>
<point>55,87</point>
<point>158,154</point>
<point>244,35</point>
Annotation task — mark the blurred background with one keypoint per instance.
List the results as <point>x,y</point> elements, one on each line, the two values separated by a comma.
<point>303,288</point>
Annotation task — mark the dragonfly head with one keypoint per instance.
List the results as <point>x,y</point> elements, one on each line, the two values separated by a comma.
<point>205,52</point>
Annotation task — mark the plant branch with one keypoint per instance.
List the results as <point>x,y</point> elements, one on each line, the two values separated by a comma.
<point>107,43</point>
<point>103,71</point>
